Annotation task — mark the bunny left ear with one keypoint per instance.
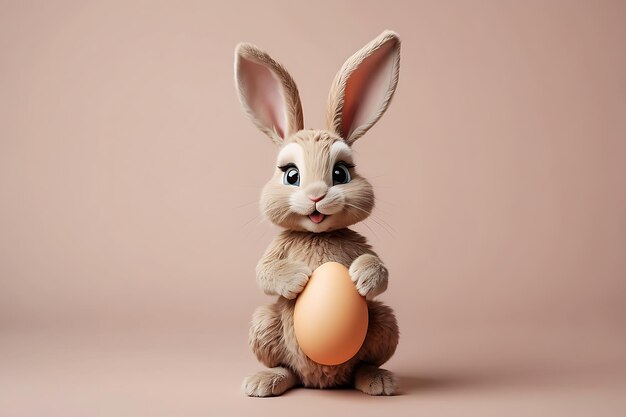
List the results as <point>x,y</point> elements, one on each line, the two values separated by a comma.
<point>363,88</point>
<point>267,93</point>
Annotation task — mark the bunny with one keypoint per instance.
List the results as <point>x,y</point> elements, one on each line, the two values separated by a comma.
<point>315,194</point>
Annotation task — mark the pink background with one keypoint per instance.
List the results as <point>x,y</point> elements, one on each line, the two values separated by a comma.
<point>129,229</point>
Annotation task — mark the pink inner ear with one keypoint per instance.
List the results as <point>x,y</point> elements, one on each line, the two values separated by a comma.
<point>264,95</point>
<point>366,89</point>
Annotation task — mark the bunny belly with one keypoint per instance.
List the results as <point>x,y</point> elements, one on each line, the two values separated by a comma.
<point>310,373</point>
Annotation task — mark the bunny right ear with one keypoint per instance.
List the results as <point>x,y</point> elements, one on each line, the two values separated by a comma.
<point>363,87</point>
<point>267,93</point>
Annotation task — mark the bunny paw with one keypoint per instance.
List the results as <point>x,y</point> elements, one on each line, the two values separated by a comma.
<point>293,279</point>
<point>369,275</point>
<point>375,381</point>
<point>269,383</point>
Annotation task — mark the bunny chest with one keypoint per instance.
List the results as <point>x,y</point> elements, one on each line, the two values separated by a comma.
<point>342,246</point>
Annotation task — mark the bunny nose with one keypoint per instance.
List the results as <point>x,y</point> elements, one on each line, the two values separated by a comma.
<point>316,191</point>
<point>316,199</point>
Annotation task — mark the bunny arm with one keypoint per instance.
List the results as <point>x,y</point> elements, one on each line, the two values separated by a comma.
<point>370,275</point>
<point>277,275</point>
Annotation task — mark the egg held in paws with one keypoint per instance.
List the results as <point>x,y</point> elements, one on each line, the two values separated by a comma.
<point>330,316</point>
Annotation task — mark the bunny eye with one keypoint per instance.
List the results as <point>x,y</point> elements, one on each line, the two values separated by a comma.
<point>291,176</point>
<point>341,174</point>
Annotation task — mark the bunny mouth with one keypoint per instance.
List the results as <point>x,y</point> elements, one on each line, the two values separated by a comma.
<point>317,217</point>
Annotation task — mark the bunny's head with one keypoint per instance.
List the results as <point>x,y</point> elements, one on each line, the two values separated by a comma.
<point>315,186</point>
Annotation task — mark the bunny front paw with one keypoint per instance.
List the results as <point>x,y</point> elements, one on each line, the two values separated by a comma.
<point>369,275</point>
<point>292,279</point>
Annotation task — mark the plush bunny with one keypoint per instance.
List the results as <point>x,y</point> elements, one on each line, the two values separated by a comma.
<point>315,194</point>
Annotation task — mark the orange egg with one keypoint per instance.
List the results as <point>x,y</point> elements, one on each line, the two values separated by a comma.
<point>330,316</point>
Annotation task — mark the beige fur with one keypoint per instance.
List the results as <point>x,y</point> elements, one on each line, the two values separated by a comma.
<point>290,259</point>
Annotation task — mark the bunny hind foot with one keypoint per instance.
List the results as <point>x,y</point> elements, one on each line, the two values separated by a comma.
<point>269,383</point>
<point>373,380</point>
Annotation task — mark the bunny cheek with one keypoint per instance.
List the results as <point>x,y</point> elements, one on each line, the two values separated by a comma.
<point>358,202</point>
<point>275,204</point>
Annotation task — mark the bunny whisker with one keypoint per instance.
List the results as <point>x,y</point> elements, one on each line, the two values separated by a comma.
<point>373,218</point>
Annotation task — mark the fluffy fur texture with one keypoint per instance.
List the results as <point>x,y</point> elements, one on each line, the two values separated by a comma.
<point>316,213</point>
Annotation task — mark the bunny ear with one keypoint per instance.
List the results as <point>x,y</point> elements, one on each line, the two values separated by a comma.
<point>363,87</point>
<point>267,93</point>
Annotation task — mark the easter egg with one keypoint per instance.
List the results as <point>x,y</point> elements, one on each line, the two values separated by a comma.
<point>330,316</point>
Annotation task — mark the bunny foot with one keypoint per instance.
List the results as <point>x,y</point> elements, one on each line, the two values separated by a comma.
<point>375,381</point>
<point>268,383</point>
